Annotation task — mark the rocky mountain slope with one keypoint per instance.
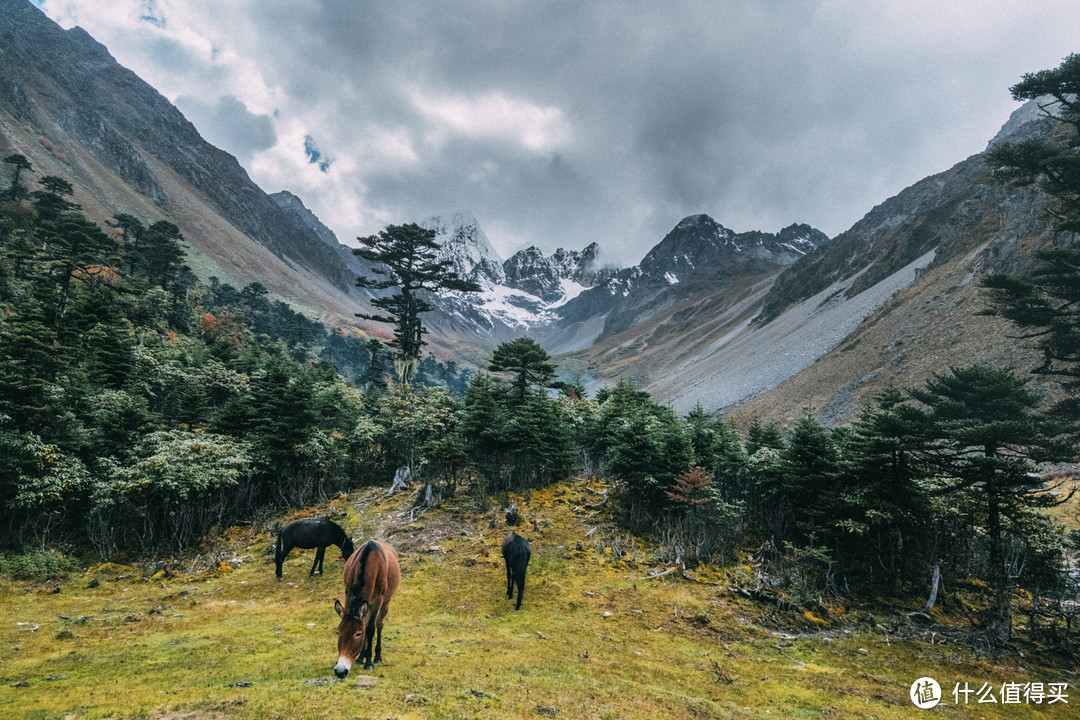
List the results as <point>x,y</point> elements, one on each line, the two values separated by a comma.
<point>69,107</point>
<point>890,301</point>
<point>570,299</point>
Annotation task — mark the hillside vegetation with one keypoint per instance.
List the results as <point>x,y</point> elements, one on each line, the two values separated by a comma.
<point>602,632</point>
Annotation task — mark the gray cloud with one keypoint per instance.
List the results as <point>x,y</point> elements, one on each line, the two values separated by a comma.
<point>228,123</point>
<point>568,122</point>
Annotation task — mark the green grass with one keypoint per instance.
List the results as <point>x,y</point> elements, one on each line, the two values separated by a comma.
<point>594,637</point>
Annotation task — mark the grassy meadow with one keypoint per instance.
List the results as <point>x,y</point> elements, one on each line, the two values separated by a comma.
<point>597,635</point>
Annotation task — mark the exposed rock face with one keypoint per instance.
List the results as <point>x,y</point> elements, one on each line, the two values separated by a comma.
<point>466,246</point>
<point>570,299</point>
<point>697,252</point>
<point>353,266</point>
<point>528,270</point>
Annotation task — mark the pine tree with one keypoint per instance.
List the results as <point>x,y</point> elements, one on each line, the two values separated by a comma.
<point>52,202</point>
<point>485,426</point>
<point>760,436</point>
<point>540,442</point>
<point>18,163</point>
<point>702,436</point>
<point>527,361</point>
<point>986,438</point>
<point>691,488</point>
<point>410,256</point>
<point>809,473</point>
<point>1042,302</point>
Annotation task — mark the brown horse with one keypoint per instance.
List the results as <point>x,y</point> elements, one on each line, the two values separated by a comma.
<point>372,575</point>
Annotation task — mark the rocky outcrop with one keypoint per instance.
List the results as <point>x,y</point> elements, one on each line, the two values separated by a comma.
<point>698,253</point>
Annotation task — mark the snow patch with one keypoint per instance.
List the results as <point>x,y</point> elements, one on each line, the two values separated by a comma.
<point>671,278</point>
<point>570,290</point>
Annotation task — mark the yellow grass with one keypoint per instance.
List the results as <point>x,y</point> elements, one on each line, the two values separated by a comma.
<point>595,638</point>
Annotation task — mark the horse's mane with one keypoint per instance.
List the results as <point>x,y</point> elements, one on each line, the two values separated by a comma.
<point>355,601</point>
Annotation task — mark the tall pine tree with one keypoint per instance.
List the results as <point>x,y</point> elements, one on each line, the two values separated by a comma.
<point>410,256</point>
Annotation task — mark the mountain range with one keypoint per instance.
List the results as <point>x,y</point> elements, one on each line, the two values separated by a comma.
<point>751,323</point>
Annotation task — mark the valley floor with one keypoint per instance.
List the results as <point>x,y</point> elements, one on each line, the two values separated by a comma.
<point>597,636</point>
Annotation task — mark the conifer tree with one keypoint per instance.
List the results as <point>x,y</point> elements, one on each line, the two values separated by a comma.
<point>986,439</point>
<point>702,435</point>
<point>540,442</point>
<point>52,202</point>
<point>18,163</point>
<point>484,427</point>
<point>527,361</point>
<point>1042,302</point>
<point>410,256</point>
<point>760,436</point>
<point>809,471</point>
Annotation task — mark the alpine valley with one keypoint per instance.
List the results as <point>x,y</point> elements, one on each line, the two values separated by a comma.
<point>750,323</point>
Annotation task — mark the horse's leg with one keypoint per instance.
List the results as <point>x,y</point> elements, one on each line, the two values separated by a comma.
<point>521,590</point>
<point>283,549</point>
<point>509,582</point>
<point>318,560</point>
<point>378,633</point>
<point>369,636</point>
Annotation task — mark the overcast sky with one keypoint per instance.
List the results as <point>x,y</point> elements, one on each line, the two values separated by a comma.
<point>562,123</point>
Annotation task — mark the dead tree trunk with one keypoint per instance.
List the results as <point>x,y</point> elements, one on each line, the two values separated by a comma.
<point>401,479</point>
<point>934,584</point>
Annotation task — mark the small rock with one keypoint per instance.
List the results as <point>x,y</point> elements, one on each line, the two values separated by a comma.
<point>608,614</point>
<point>318,681</point>
<point>864,651</point>
<point>366,680</point>
<point>415,698</point>
<point>56,677</point>
<point>21,684</point>
<point>243,684</point>
<point>549,711</point>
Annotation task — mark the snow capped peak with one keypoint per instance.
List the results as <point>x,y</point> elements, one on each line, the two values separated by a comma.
<point>465,245</point>
<point>518,293</point>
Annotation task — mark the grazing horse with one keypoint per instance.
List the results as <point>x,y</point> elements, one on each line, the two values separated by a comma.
<point>372,575</point>
<point>516,553</point>
<point>317,532</point>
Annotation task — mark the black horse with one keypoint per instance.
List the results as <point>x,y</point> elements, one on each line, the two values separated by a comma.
<point>516,553</point>
<point>317,532</point>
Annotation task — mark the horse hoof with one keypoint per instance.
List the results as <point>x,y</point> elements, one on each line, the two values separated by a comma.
<point>369,666</point>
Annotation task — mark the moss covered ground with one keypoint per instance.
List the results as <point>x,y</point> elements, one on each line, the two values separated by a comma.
<point>598,636</point>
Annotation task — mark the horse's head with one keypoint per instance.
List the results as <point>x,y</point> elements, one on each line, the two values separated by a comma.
<point>352,633</point>
<point>347,548</point>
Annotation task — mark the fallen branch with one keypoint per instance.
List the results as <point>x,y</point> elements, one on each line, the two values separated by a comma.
<point>720,674</point>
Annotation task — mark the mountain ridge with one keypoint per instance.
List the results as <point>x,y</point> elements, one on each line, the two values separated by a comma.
<point>704,316</point>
